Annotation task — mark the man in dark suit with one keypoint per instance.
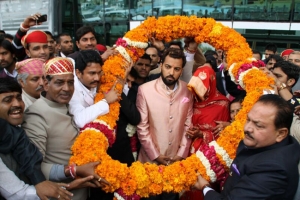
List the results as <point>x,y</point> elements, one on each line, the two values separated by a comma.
<point>266,162</point>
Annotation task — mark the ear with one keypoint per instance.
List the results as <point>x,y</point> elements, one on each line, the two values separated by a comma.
<point>290,82</point>
<point>27,52</point>
<point>78,73</point>
<point>22,83</point>
<point>281,134</point>
<point>77,44</point>
<point>46,85</point>
<point>58,46</point>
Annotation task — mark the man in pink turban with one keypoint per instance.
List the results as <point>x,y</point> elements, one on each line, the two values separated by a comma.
<point>30,76</point>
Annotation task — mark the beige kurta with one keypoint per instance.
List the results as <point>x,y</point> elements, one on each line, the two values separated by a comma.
<point>50,127</point>
<point>27,99</point>
<point>164,120</point>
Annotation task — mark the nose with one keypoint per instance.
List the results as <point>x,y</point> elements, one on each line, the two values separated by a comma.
<point>16,102</point>
<point>41,81</point>
<point>66,87</point>
<point>248,126</point>
<point>89,42</point>
<point>171,71</point>
<point>43,50</point>
<point>97,77</point>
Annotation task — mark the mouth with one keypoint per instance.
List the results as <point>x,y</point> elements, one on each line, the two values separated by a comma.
<point>16,113</point>
<point>65,96</point>
<point>44,57</point>
<point>248,135</point>
<point>169,78</point>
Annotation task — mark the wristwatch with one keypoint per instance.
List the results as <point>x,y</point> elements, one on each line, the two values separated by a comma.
<point>281,86</point>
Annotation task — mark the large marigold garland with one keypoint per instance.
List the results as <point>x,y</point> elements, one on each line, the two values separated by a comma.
<point>142,180</point>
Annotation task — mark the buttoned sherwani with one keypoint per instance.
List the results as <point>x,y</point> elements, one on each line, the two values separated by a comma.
<point>50,127</point>
<point>165,118</point>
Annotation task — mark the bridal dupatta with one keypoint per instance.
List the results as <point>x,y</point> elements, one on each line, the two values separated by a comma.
<point>210,105</point>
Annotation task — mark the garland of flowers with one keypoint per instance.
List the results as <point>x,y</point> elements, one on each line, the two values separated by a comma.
<point>142,180</point>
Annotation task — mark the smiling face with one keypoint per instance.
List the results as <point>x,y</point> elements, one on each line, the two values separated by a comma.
<point>12,107</point>
<point>60,89</point>
<point>87,41</point>
<point>38,50</point>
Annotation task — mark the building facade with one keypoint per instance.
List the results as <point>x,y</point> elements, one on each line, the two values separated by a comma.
<point>259,21</point>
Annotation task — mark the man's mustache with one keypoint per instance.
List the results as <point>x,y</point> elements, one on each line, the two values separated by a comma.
<point>249,134</point>
<point>15,108</point>
<point>39,88</point>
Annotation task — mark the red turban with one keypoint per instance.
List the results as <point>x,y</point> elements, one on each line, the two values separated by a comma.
<point>30,66</point>
<point>58,66</point>
<point>34,36</point>
<point>286,52</point>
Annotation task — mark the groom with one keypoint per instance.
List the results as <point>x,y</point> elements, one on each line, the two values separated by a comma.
<point>166,108</point>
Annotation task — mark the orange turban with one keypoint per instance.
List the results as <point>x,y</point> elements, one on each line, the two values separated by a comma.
<point>58,66</point>
<point>34,36</point>
<point>30,66</point>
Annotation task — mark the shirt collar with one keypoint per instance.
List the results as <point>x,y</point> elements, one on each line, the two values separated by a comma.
<point>14,74</point>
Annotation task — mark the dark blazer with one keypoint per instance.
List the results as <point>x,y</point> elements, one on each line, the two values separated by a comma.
<point>121,149</point>
<point>265,173</point>
<point>220,86</point>
<point>14,141</point>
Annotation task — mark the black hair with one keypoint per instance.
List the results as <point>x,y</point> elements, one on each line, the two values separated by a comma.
<point>87,56</point>
<point>174,53</point>
<point>84,30</point>
<point>210,59</point>
<point>8,36</point>
<point>9,84</point>
<point>146,57</point>
<point>257,52</point>
<point>58,39</point>
<point>153,47</point>
<point>133,73</point>
<point>49,33</point>
<point>2,31</point>
<point>238,99</point>
<point>284,114</point>
<point>271,47</point>
<point>278,58</point>
<point>290,69</point>
<point>5,44</point>
<point>176,43</point>
<point>210,52</point>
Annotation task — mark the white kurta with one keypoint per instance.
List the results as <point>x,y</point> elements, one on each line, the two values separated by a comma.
<point>82,105</point>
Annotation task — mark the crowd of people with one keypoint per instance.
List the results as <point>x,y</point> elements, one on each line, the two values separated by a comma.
<point>175,99</point>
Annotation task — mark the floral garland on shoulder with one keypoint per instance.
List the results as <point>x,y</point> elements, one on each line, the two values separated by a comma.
<point>214,160</point>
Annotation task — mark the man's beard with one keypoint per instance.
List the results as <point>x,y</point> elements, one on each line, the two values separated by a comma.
<point>7,65</point>
<point>168,82</point>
